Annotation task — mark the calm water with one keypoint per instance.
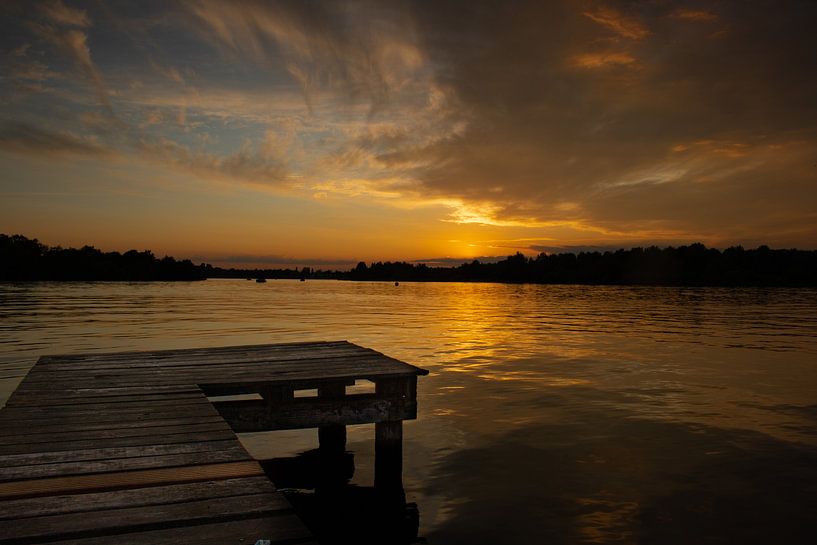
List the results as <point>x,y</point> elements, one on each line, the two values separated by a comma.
<point>552,414</point>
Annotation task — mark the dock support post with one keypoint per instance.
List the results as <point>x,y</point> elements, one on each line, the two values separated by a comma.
<point>388,445</point>
<point>332,438</point>
<point>388,454</point>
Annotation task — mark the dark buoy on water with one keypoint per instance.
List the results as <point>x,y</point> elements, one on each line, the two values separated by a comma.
<point>397,283</point>
<point>260,280</point>
<point>303,279</point>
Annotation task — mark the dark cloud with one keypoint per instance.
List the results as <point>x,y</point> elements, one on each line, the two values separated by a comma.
<point>575,249</point>
<point>455,261</point>
<point>273,261</point>
<point>545,130</point>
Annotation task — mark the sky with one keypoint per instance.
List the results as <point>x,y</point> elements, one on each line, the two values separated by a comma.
<point>326,133</point>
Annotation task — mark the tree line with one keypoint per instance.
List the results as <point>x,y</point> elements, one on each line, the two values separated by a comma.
<point>692,265</point>
<point>22,258</point>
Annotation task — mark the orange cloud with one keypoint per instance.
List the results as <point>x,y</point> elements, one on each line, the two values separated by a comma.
<point>694,15</point>
<point>600,60</point>
<point>622,25</point>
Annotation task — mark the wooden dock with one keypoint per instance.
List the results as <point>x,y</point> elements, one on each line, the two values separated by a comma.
<point>135,447</point>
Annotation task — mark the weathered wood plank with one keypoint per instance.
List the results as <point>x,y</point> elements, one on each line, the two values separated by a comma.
<point>84,467</point>
<point>134,497</point>
<point>282,529</point>
<point>372,364</point>
<point>198,354</point>
<point>119,433</point>
<point>151,517</point>
<point>76,484</point>
<point>73,426</point>
<point>12,460</point>
<point>186,361</point>
<point>44,401</point>
<point>110,442</point>
<point>17,417</point>
<point>105,407</point>
<point>204,350</point>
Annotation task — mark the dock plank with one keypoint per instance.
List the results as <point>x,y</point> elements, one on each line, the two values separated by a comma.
<point>37,471</point>
<point>279,529</point>
<point>12,460</point>
<point>134,497</point>
<point>165,439</point>
<point>151,517</point>
<point>128,479</point>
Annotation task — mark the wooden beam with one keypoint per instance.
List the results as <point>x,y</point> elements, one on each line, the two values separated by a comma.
<point>255,416</point>
<point>260,387</point>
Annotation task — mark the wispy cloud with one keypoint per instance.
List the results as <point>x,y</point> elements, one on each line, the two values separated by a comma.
<point>321,46</point>
<point>694,15</point>
<point>57,12</point>
<point>246,165</point>
<point>273,260</point>
<point>65,28</point>
<point>22,138</point>
<point>623,25</point>
<point>601,60</point>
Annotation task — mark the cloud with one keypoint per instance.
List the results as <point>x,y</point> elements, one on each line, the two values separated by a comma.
<point>65,28</point>
<point>245,165</point>
<point>338,47</point>
<point>601,248</point>
<point>253,260</point>
<point>57,12</point>
<point>699,15</point>
<point>457,261</point>
<point>74,42</point>
<point>627,27</point>
<point>600,60</point>
<point>22,138</point>
<point>25,73</point>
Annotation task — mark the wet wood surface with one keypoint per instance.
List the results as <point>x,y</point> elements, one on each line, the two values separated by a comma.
<point>127,447</point>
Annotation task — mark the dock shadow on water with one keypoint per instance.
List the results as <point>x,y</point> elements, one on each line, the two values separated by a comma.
<point>317,483</point>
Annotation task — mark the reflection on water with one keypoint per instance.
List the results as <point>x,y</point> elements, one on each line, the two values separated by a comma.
<point>557,414</point>
<point>317,483</point>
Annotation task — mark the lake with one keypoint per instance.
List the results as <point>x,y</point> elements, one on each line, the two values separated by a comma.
<point>552,414</point>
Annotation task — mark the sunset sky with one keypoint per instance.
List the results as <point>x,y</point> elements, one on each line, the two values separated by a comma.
<point>321,134</point>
